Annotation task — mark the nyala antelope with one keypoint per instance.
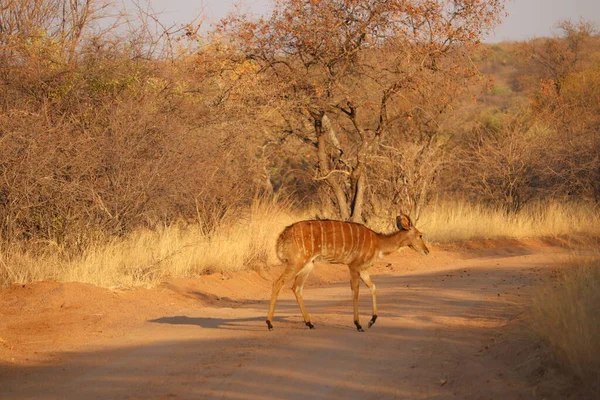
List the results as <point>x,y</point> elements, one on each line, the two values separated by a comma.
<point>355,245</point>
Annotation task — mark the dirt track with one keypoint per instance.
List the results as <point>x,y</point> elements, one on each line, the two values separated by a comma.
<point>437,335</point>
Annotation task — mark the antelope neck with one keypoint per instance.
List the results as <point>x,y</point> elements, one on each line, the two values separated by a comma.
<point>392,242</point>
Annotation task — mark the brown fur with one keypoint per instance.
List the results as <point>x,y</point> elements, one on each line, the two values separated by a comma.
<point>337,242</point>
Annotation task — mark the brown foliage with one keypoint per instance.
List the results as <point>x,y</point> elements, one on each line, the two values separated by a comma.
<point>99,142</point>
<point>535,134</point>
<point>354,104</point>
<point>347,73</point>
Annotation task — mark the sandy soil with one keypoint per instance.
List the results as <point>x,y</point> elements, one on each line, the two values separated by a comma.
<point>442,320</point>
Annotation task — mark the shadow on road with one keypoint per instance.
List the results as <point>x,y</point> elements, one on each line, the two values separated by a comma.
<point>206,322</point>
<point>430,342</point>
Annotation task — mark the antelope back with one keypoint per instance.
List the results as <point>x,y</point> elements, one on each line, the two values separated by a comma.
<point>334,241</point>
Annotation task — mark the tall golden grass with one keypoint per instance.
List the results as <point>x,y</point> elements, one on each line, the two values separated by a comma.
<point>446,222</point>
<point>565,316</point>
<point>247,239</point>
<point>146,257</point>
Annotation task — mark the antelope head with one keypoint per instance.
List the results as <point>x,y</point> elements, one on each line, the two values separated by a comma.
<point>410,236</point>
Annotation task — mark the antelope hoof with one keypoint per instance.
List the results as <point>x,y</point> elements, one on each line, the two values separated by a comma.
<point>269,325</point>
<point>358,326</point>
<point>310,325</point>
<point>372,321</point>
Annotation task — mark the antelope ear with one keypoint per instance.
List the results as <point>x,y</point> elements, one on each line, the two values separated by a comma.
<point>403,222</point>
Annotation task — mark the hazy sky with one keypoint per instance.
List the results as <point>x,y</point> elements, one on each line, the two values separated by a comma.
<point>526,19</point>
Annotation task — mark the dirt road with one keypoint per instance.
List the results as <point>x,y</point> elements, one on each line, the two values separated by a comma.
<point>437,337</point>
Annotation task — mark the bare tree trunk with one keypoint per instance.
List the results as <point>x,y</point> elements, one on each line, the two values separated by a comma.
<point>359,174</point>
<point>359,196</point>
<point>326,173</point>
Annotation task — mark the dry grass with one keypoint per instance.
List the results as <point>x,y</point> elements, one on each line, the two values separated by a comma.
<point>246,239</point>
<point>565,318</point>
<point>147,257</point>
<point>564,314</point>
<point>446,222</point>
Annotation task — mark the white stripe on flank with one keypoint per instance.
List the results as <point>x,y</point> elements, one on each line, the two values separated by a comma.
<point>302,237</point>
<point>357,247</point>
<point>333,246</point>
<point>368,249</point>
<point>343,255</point>
<point>352,236</point>
<point>312,239</point>
<point>323,244</point>
<point>361,241</point>
<point>365,249</point>
<point>295,238</point>
<point>348,242</point>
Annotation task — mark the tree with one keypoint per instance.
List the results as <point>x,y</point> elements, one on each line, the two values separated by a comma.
<point>504,166</point>
<point>552,60</point>
<point>349,74</point>
<point>102,133</point>
<point>566,101</point>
